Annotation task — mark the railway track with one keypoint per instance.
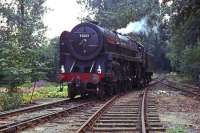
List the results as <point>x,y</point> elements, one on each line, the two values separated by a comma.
<point>183,84</point>
<point>17,120</point>
<point>133,112</point>
<point>188,91</point>
<point>35,107</point>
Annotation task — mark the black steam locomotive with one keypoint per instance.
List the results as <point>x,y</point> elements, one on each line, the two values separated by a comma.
<point>97,61</point>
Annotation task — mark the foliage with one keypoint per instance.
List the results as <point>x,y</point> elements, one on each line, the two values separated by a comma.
<point>10,100</point>
<point>190,64</point>
<point>21,38</point>
<point>47,91</point>
<point>114,14</point>
<point>177,129</point>
<point>22,35</point>
<point>50,54</point>
<point>184,42</point>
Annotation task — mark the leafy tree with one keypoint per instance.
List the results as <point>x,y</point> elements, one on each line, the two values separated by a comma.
<point>50,55</point>
<point>185,36</point>
<point>22,35</point>
<point>21,38</point>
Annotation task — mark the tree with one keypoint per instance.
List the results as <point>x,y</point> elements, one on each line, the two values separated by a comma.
<point>22,35</point>
<point>184,40</point>
<point>50,55</point>
<point>116,13</point>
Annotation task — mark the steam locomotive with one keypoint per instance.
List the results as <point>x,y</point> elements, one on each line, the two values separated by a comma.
<point>97,61</point>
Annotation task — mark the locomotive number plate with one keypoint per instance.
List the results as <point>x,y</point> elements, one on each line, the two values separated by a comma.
<point>83,35</point>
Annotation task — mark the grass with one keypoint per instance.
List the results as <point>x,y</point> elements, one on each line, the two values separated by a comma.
<point>50,90</point>
<point>177,129</point>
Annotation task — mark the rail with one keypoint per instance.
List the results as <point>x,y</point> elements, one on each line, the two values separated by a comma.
<point>34,107</point>
<point>16,126</point>
<point>143,119</point>
<point>181,89</point>
<point>95,116</point>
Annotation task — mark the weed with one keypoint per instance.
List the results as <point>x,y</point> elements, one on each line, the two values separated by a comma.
<point>177,129</point>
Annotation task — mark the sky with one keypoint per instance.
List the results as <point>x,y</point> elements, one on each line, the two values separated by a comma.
<point>62,16</point>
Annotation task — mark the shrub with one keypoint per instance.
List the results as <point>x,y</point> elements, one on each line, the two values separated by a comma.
<point>10,100</point>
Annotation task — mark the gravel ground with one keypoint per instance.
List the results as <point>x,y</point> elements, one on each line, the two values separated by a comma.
<point>177,110</point>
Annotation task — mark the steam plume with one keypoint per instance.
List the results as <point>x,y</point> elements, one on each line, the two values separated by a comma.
<point>140,26</point>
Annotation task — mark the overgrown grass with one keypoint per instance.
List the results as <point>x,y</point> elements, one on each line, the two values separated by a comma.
<point>48,91</point>
<point>177,129</point>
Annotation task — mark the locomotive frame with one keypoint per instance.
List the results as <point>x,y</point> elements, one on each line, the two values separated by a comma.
<point>96,61</point>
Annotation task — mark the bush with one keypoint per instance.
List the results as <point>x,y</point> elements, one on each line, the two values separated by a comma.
<point>10,100</point>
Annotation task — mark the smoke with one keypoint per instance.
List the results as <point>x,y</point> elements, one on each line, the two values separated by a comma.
<point>139,27</point>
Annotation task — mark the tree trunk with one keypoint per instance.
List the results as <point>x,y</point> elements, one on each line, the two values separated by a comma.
<point>32,92</point>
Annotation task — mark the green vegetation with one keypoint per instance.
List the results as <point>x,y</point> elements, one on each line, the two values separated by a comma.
<point>184,41</point>
<point>25,54</point>
<point>180,78</point>
<point>48,91</point>
<point>21,38</point>
<point>177,129</point>
<point>10,101</point>
<point>14,100</point>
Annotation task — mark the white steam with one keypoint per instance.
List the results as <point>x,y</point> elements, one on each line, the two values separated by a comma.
<point>140,26</point>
